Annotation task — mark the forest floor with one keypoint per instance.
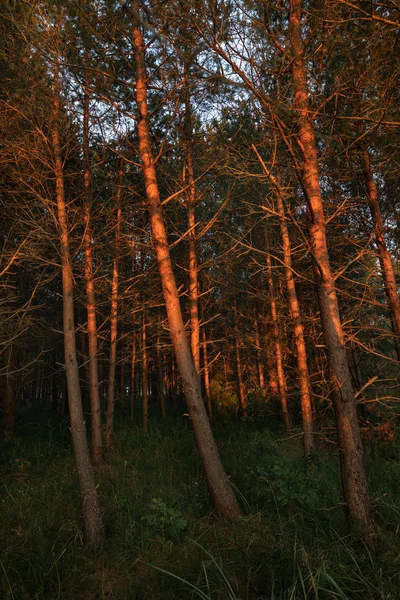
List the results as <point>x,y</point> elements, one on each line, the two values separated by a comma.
<point>162,539</point>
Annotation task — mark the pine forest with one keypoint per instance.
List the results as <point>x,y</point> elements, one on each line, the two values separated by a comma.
<point>199,305</point>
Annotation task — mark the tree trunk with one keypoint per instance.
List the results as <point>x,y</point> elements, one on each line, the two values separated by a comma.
<point>191,201</point>
<point>145,374</point>
<point>132,386</point>
<point>239,377</point>
<point>353,474</point>
<point>304,379</point>
<point>278,349</point>
<point>385,259</point>
<point>260,365</point>
<point>160,379</point>
<point>92,520</point>
<point>217,481</point>
<point>114,320</point>
<point>206,375</point>
<point>94,390</point>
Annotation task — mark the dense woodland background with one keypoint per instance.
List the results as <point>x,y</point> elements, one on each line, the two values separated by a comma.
<point>200,235</point>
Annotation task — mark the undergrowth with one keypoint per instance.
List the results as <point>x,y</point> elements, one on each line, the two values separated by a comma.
<point>163,540</point>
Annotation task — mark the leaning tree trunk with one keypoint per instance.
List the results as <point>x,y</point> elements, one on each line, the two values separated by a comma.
<point>385,259</point>
<point>353,474</point>
<point>94,388</point>
<point>92,520</point>
<point>217,481</point>
<point>114,321</point>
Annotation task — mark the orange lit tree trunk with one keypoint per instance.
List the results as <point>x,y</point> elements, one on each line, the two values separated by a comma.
<point>385,259</point>
<point>239,376</point>
<point>260,365</point>
<point>94,390</point>
<point>191,202</point>
<point>277,341</point>
<point>92,520</point>
<point>114,320</point>
<point>217,481</point>
<point>298,329</point>
<point>206,375</point>
<point>353,474</point>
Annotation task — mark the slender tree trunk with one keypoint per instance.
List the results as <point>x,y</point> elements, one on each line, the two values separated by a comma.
<point>239,377</point>
<point>217,481</point>
<point>353,474</point>
<point>132,386</point>
<point>278,349</point>
<point>191,202</point>
<point>114,321</point>
<point>304,379</point>
<point>206,375</point>
<point>260,366</point>
<point>173,384</point>
<point>94,390</point>
<point>145,374</point>
<point>160,379</point>
<point>385,259</point>
<point>92,520</point>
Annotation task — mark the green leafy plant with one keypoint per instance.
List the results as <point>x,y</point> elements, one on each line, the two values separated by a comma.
<point>290,483</point>
<point>165,521</point>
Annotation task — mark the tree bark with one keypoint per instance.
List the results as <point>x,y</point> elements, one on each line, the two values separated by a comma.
<point>145,374</point>
<point>160,379</point>
<point>207,375</point>
<point>260,365</point>
<point>132,385</point>
<point>94,389</point>
<point>278,348</point>
<point>92,520</point>
<point>304,379</point>
<point>385,259</point>
<point>191,202</point>
<point>353,474</point>
<point>217,481</point>
<point>239,376</point>
<point>114,320</point>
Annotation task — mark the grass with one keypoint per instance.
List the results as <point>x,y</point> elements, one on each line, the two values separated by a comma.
<point>163,540</point>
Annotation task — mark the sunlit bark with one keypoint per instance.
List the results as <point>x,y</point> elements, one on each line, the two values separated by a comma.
<point>217,481</point>
<point>206,375</point>
<point>278,347</point>
<point>191,202</point>
<point>304,380</point>
<point>94,390</point>
<point>92,520</point>
<point>114,319</point>
<point>349,439</point>
<point>385,259</point>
